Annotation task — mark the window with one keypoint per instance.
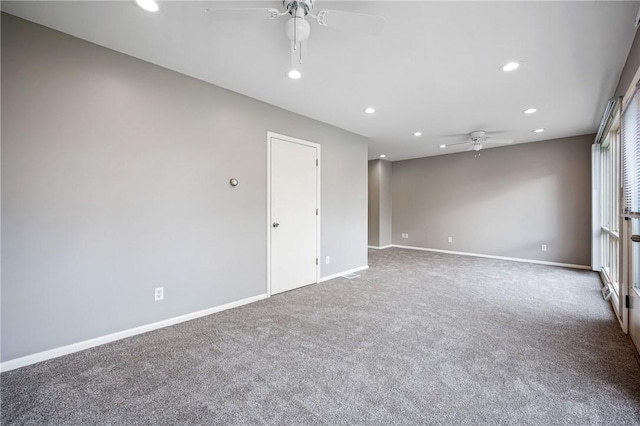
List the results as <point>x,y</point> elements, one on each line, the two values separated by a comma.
<point>631,130</point>
<point>610,193</point>
<point>631,202</point>
<point>631,208</point>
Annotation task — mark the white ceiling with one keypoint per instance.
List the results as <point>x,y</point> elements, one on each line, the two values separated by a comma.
<point>434,69</point>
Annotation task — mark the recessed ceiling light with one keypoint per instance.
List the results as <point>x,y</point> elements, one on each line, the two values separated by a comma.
<point>416,134</point>
<point>538,131</point>
<point>148,5</point>
<point>530,111</point>
<point>443,146</point>
<point>294,74</point>
<point>511,66</point>
<point>382,156</point>
<point>370,110</point>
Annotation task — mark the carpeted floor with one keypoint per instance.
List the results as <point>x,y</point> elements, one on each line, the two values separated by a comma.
<point>419,338</point>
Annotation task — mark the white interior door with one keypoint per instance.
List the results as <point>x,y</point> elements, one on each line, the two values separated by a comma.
<point>634,285</point>
<point>294,213</point>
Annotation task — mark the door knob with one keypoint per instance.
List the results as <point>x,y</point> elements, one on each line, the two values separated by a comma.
<point>635,238</point>
<point>276,224</point>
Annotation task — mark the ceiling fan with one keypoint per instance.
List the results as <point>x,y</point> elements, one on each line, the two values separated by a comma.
<point>478,139</point>
<point>297,28</point>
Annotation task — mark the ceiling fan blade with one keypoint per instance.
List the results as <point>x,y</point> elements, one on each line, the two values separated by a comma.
<point>459,143</point>
<point>499,141</point>
<point>470,148</point>
<point>241,14</point>
<point>351,22</point>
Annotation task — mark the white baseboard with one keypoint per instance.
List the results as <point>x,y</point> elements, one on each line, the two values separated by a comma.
<point>80,346</point>
<point>488,256</point>
<point>339,274</point>
<point>380,248</point>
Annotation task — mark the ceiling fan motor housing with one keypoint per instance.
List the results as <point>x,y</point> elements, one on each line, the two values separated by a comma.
<point>293,5</point>
<point>477,135</point>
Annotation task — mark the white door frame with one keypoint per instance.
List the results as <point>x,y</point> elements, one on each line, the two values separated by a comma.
<point>626,232</point>
<point>271,135</point>
<point>624,271</point>
<point>631,290</point>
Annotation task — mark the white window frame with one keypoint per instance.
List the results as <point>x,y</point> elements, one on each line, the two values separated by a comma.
<point>611,251</point>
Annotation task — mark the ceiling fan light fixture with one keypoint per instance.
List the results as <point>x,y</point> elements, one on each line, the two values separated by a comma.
<point>417,134</point>
<point>530,110</point>
<point>294,74</point>
<point>443,146</point>
<point>382,155</point>
<point>148,5</point>
<point>297,29</point>
<point>370,110</point>
<point>538,131</point>
<point>510,66</point>
<point>477,147</point>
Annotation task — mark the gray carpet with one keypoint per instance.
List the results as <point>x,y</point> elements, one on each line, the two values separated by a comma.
<point>419,338</point>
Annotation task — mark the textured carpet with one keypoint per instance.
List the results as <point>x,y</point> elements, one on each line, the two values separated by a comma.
<point>419,338</point>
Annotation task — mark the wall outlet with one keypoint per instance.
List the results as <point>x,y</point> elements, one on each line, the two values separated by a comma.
<point>405,235</point>
<point>159,293</point>
<point>450,239</point>
<point>328,260</point>
<point>544,247</point>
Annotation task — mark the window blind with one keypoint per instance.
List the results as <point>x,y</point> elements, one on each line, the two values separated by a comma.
<point>631,156</point>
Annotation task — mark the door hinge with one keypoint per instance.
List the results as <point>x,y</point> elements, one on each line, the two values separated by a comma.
<point>316,260</point>
<point>316,212</point>
<point>626,301</point>
<point>316,163</point>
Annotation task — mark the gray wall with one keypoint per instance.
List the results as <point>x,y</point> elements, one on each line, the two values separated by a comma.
<point>630,67</point>
<point>507,202</point>
<point>115,181</point>
<point>386,169</point>
<point>374,203</point>
<point>380,212</point>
